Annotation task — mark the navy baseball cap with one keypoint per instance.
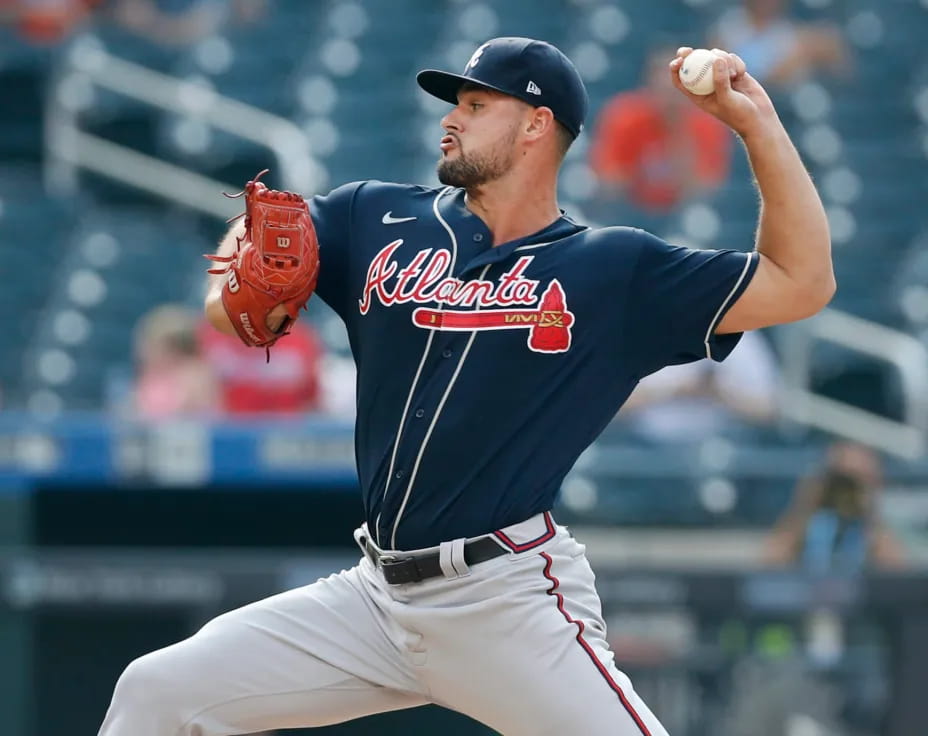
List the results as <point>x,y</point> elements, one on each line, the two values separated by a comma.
<point>534,71</point>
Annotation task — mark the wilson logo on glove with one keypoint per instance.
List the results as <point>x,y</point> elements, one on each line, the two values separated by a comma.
<point>276,262</point>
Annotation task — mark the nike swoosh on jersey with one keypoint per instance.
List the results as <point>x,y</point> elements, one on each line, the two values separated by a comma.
<point>389,219</point>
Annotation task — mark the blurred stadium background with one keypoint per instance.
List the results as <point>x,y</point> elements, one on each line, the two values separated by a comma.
<point>122,530</point>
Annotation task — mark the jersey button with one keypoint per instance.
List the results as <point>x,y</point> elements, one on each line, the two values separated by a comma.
<point>399,474</point>
<point>446,353</point>
<point>478,237</point>
<point>420,413</point>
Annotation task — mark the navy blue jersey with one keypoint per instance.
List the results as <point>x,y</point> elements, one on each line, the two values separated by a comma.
<point>484,372</point>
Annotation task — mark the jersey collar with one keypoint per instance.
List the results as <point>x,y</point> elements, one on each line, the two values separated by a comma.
<point>453,207</point>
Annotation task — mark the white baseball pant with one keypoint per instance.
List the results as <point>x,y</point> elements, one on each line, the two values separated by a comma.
<point>516,642</point>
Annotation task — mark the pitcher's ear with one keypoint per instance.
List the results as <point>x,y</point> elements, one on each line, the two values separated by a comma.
<point>539,122</point>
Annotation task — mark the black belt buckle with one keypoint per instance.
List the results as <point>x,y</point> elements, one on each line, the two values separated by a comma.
<point>398,571</point>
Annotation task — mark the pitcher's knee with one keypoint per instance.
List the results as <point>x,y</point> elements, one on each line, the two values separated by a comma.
<point>148,688</point>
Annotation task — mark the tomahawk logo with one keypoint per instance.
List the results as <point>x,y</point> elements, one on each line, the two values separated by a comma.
<point>548,326</point>
<point>476,57</point>
<point>424,281</point>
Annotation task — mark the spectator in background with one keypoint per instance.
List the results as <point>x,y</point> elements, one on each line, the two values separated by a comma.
<point>778,50</point>
<point>173,378</point>
<point>687,403</point>
<point>833,523</point>
<point>46,21</point>
<point>655,149</point>
<point>183,22</point>
<point>250,384</point>
<point>169,22</point>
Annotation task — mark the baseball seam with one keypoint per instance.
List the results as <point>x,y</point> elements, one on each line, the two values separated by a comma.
<point>702,73</point>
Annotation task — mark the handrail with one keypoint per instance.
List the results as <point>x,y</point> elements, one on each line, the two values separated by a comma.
<point>144,172</point>
<point>298,169</point>
<point>906,354</point>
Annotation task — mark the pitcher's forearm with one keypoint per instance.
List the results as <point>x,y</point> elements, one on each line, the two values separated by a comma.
<point>793,229</point>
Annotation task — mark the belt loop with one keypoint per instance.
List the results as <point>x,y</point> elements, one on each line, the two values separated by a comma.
<point>444,560</point>
<point>457,558</point>
<point>451,558</point>
<point>360,536</point>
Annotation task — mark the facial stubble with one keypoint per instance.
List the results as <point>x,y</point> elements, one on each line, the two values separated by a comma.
<point>475,169</point>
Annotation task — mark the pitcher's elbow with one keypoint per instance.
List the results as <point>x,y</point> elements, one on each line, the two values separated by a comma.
<point>828,286</point>
<point>818,294</point>
<point>831,287</point>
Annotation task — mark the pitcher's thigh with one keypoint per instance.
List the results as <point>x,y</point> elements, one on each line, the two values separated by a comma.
<point>537,662</point>
<point>555,689</point>
<point>582,692</point>
<point>309,657</point>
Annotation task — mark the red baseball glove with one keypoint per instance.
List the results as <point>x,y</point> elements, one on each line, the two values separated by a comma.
<point>275,262</point>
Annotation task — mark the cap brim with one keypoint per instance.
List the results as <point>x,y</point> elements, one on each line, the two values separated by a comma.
<point>445,85</point>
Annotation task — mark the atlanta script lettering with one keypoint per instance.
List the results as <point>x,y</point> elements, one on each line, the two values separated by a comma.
<point>424,281</point>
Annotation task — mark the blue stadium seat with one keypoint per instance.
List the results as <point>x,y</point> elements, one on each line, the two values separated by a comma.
<point>145,240</point>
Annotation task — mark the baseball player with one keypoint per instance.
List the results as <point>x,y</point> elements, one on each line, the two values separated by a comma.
<point>495,337</point>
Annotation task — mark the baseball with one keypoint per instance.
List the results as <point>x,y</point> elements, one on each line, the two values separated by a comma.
<point>696,72</point>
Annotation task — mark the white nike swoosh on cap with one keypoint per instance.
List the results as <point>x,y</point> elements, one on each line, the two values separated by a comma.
<point>389,219</point>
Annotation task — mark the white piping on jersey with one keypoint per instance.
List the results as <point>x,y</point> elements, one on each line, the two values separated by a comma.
<point>529,247</point>
<point>714,323</point>
<point>428,434</point>
<point>415,380</point>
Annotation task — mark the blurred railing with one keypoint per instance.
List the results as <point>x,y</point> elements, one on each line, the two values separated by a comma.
<point>68,148</point>
<point>91,448</point>
<point>908,356</point>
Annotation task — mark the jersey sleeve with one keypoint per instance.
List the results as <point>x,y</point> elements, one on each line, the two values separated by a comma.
<point>677,298</point>
<point>331,214</point>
